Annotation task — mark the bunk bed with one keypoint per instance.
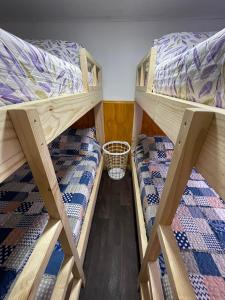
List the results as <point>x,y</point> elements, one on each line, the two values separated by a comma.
<point>178,178</point>
<point>50,173</point>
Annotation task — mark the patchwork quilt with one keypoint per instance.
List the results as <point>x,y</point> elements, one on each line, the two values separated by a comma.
<point>199,223</point>
<point>190,66</point>
<point>23,216</point>
<point>31,73</point>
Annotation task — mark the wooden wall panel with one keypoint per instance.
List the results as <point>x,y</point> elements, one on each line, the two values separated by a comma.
<point>149,127</point>
<point>88,120</point>
<point>118,120</point>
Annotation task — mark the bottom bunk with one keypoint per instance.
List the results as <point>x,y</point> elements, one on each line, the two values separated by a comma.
<point>198,226</point>
<point>78,164</point>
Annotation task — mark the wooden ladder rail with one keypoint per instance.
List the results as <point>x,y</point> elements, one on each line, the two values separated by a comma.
<point>31,136</point>
<point>191,137</point>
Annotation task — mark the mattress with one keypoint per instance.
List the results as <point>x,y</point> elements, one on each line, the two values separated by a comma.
<point>199,223</point>
<point>191,66</point>
<point>23,216</point>
<point>28,72</point>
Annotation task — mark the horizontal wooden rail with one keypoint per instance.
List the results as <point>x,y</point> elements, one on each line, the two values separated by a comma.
<point>142,237</point>
<point>63,279</point>
<point>28,281</point>
<point>86,226</point>
<point>175,267</point>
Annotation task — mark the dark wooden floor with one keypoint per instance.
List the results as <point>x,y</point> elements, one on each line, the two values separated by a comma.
<point>111,263</point>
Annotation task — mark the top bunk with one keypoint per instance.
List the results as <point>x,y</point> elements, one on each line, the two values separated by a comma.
<point>201,65</point>
<point>59,80</point>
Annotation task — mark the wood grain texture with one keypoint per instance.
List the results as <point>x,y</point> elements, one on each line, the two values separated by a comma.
<point>118,120</point>
<point>111,263</point>
<point>56,115</point>
<point>86,121</point>
<point>149,127</point>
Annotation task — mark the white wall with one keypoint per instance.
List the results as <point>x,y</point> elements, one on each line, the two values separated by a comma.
<point>117,45</point>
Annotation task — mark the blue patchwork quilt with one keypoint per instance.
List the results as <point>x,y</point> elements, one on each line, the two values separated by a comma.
<point>199,223</point>
<point>23,216</point>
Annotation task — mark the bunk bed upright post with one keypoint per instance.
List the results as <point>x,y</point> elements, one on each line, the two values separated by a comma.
<point>99,123</point>
<point>84,68</point>
<point>137,123</point>
<point>29,130</point>
<point>192,134</point>
<point>151,70</point>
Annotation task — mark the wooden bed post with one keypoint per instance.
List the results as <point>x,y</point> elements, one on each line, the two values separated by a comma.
<point>137,123</point>
<point>151,70</point>
<point>99,123</point>
<point>31,136</point>
<point>84,68</point>
<point>192,134</point>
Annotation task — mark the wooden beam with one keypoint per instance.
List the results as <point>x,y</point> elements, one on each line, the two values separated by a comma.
<point>137,124</point>
<point>75,291</point>
<point>99,123</point>
<point>63,279</point>
<point>84,69</point>
<point>56,115</point>
<point>193,132</point>
<point>145,292</point>
<point>30,133</point>
<point>174,264</point>
<point>142,237</point>
<point>151,70</point>
<point>27,283</point>
<point>86,226</point>
<point>155,281</point>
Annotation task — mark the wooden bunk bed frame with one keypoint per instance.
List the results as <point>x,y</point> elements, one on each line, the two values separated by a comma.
<point>198,132</point>
<point>26,129</point>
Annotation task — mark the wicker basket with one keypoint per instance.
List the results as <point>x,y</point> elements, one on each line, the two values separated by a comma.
<point>115,156</point>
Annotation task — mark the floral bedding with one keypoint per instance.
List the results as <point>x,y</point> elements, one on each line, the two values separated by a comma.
<point>30,73</point>
<point>191,66</point>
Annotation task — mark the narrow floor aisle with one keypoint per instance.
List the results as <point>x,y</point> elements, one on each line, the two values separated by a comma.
<point>111,264</point>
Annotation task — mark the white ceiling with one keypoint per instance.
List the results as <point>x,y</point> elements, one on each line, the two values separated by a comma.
<point>113,9</point>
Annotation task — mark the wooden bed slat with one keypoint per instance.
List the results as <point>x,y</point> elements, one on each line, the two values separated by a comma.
<point>27,283</point>
<point>175,267</point>
<point>56,115</point>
